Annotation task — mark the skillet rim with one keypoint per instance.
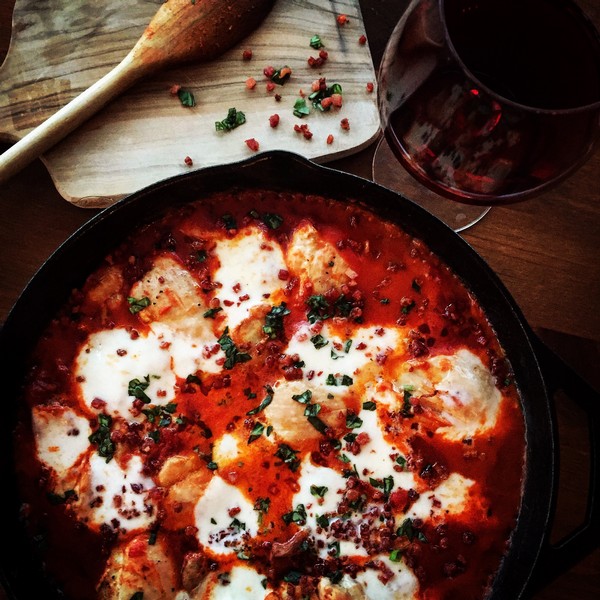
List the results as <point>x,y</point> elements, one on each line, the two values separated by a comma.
<point>72,261</point>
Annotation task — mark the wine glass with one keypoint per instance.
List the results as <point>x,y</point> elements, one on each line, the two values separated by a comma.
<point>486,102</point>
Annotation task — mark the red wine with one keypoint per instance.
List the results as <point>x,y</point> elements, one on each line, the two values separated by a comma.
<point>498,104</point>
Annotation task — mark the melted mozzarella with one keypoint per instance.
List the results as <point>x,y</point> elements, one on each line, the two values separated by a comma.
<point>314,475</point>
<point>450,497</point>
<point>459,389</point>
<point>402,586</point>
<point>111,359</point>
<point>189,354</point>
<point>374,459</point>
<point>248,273</point>
<point>225,449</point>
<point>114,494</point>
<point>216,528</point>
<point>61,437</point>
<point>364,345</point>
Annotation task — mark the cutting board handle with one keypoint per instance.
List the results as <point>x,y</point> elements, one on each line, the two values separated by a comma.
<point>69,117</point>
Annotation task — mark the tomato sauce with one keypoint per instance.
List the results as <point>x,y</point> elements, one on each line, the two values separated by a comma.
<point>398,284</point>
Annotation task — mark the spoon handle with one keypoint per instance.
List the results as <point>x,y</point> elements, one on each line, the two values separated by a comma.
<point>69,117</point>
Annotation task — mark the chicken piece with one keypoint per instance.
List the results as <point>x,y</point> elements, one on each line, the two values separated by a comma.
<point>346,589</point>
<point>183,497</point>
<point>175,296</point>
<point>287,417</point>
<point>316,262</point>
<point>137,566</point>
<point>176,468</point>
<point>458,389</point>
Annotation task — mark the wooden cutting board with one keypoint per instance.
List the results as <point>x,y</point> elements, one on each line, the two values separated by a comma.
<point>60,47</point>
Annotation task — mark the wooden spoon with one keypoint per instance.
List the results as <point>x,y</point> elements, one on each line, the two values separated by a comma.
<point>180,31</point>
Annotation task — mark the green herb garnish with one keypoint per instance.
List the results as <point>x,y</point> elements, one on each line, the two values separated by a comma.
<point>234,119</point>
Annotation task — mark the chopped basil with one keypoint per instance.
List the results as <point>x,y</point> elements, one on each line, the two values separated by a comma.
<point>317,97</point>
<point>262,505</point>
<point>318,341</point>
<point>136,389</point>
<point>272,220</point>
<point>301,109</point>
<point>137,596</point>
<point>288,456</point>
<point>137,304</point>
<point>353,421</point>
<point>347,346</point>
<point>343,380</point>
<point>315,42</point>
<point>101,437</point>
<point>249,394</point>
<point>186,98</point>
<point>211,312</point>
<point>406,410</point>
<point>396,555</point>
<point>256,432</point>
<point>334,548</point>
<point>384,300</point>
<point>312,410</point>
<point>237,525</point>
<point>273,326</point>
<point>318,490</point>
<point>369,405</point>
<point>319,308</point>
<point>408,530</point>
<point>281,75</point>
<point>319,425</point>
<point>266,401</point>
<point>232,354</point>
<point>322,521</point>
<point>303,398</point>
<point>234,119</point>
<point>160,413</point>
<point>415,286</point>
<point>192,378</point>
<point>212,465</point>
<point>401,461</point>
<point>154,436</point>
<point>298,515</point>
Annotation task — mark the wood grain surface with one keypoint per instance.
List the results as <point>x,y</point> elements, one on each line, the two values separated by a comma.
<point>60,48</point>
<point>546,251</point>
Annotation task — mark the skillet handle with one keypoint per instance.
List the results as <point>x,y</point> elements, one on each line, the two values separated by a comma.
<point>558,558</point>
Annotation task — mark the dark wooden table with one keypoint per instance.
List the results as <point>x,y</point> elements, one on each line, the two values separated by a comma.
<point>545,250</point>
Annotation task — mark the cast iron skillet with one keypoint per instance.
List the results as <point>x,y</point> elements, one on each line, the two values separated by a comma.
<point>531,560</point>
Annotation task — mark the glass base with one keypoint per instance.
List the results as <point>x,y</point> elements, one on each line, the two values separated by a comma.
<point>456,215</point>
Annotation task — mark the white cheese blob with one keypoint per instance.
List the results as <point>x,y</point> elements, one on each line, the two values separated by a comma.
<point>218,530</point>
<point>458,388</point>
<point>61,437</point>
<point>341,355</point>
<point>226,449</point>
<point>110,359</point>
<point>116,495</point>
<point>248,273</point>
<point>321,477</point>
<point>402,586</point>
<point>375,457</point>
<point>189,354</point>
<point>450,497</point>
